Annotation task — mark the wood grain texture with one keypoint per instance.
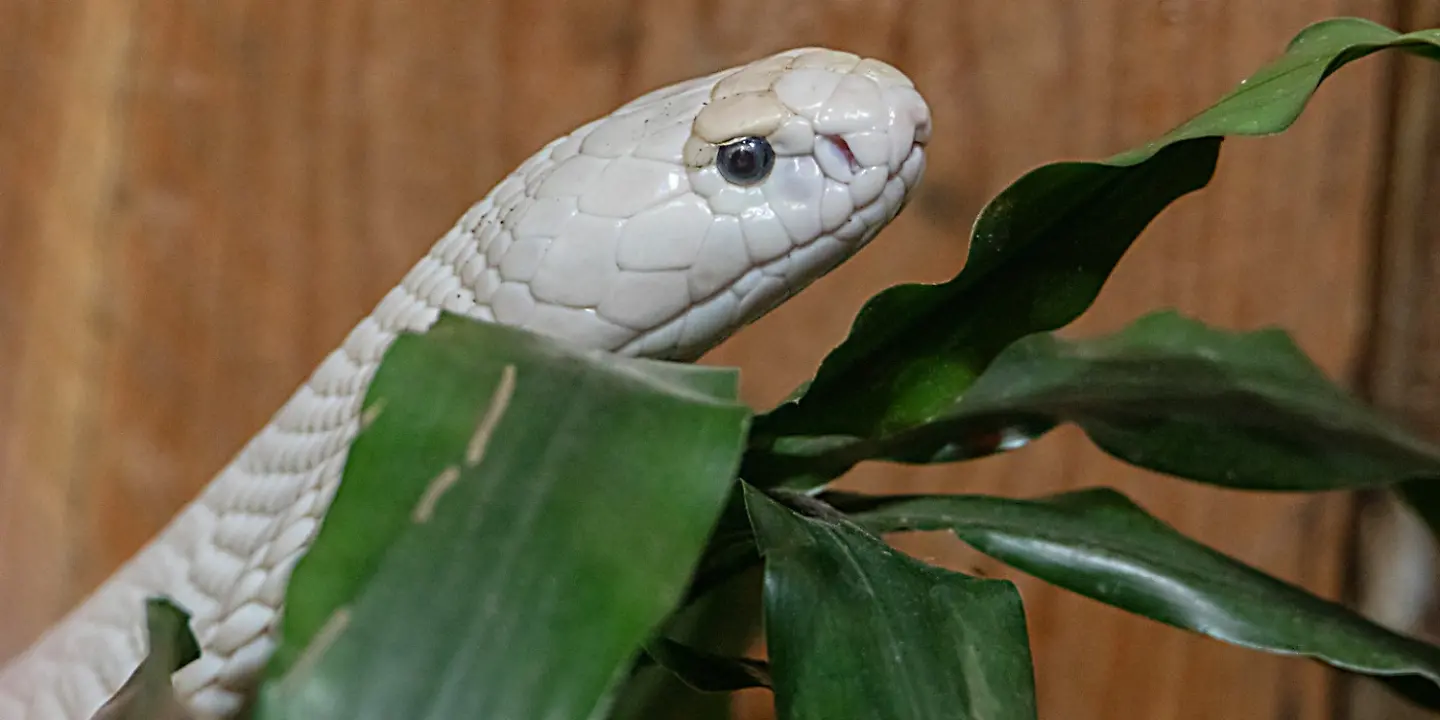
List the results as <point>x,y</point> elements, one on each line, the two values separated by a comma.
<point>198,199</point>
<point>1398,560</point>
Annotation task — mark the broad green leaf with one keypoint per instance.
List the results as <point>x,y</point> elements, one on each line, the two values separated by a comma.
<point>148,693</point>
<point>1238,409</point>
<point>858,630</point>
<point>1042,249</point>
<point>1100,544</point>
<point>514,521</point>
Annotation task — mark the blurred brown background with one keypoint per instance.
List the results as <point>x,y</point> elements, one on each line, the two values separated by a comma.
<point>198,199</point>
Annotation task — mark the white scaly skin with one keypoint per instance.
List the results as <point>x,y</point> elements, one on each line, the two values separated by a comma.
<point>622,236</point>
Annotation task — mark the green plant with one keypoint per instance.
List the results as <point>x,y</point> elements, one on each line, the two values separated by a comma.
<point>523,527</point>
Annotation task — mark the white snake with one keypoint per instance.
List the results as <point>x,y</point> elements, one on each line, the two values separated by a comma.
<point>656,231</point>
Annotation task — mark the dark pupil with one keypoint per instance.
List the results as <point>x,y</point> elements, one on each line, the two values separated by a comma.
<point>742,161</point>
<point>747,160</point>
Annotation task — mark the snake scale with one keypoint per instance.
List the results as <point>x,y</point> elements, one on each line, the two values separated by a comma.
<point>657,231</point>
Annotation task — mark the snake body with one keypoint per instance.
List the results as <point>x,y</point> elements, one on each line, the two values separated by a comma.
<point>657,230</point>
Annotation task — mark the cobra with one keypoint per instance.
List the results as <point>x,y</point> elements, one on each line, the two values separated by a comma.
<point>657,230</point>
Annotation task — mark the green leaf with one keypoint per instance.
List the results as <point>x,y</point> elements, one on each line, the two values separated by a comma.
<point>1423,496</point>
<point>720,617</point>
<point>858,630</point>
<point>1042,249</point>
<point>708,672</point>
<point>1237,409</point>
<point>148,693</point>
<point>513,523</point>
<point>1100,544</point>
<point>708,634</point>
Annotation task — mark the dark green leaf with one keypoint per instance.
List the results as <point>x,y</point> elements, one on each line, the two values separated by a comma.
<point>1041,251</point>
<point>708,672</point>
<point>1239,409</point>
<point>718,623</point>
<point>1100,544</point>
<point>858,630</point>
<point>719,616</point>
<point>1423,496</point>
<point>513,524</point>
<point>148,693</point>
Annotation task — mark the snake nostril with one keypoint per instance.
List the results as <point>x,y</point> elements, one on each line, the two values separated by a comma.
<point>844,148</point>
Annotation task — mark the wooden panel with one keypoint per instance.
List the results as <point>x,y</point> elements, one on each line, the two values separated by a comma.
<point>61,150</point>
<point>198,199</point>
<point>1398,559</point>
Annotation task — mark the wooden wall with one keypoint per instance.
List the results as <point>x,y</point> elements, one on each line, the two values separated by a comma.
<point>198,199</point>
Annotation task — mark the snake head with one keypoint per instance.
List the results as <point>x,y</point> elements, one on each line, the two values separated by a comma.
<point>664,227</point>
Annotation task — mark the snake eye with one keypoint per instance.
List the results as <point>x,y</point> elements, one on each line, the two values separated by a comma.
<point>746,161</point>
